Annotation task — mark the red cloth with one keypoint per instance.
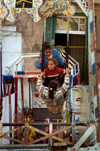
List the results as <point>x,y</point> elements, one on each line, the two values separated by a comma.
<point>78,79</point>
<point>73,82</point>
<point>49,73</point>
<point>52,75</point>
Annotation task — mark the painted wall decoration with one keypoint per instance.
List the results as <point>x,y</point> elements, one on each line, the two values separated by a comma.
<point>29,6</point>
<point>76,99</point>
<point>93,61</point>
<point>37,101</point>
<point>76,117</point>
<point>57,7</point>
<point>79,98</point>
<point>3,10</point>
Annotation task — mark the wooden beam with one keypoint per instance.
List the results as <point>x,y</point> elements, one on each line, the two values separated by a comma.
<point>15,140</point>
<point>0,132</point>
<point>50,132</point>
<point>50,135</point>
<point>13,130</point>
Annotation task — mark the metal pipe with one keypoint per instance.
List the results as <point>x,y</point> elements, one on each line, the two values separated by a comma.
<point>10,110</point>
<point>26,76</point>
<point>14,146</point>
<point>42,67</point>
<point>86,52</point>
<point>15,117</point>
<point>33,72</point>
<point>43,124</point>
<point>17,60</point>
<point>67,47</point>
<point>29,95</point>
<point>6,66</point>
<point>0,69</point>
<point>22,99</point>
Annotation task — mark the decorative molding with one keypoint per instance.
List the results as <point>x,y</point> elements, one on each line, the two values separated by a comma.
<point>32,9</point>
<point>3,11</point>
<point>57,7</point>
<point>84,6</point>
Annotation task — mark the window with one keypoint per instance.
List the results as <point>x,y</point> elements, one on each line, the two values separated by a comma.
<point>77,24</point>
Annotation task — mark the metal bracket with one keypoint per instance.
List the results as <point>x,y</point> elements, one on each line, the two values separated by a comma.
<point>84,6</point>
<point>96,147</point>
<point>83,138</point>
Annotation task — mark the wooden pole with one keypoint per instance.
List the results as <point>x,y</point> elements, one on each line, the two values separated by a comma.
<point>22,98</point>
<point>10,110</point>
<point>67,47</point>
<point>42,65</point>
<point>15,118</point>
<point>0,68</point>
<point>1,132</point>
<point>50,135</point>
<point>50,132</point>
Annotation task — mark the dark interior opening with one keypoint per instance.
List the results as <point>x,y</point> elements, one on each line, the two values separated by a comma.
<point>76,51</point>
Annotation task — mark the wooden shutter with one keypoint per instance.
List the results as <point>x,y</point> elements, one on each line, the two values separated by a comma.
<point>50,28</point>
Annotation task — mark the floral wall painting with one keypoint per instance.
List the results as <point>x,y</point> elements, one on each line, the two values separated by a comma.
<point>29,6</point>
<point>57,7</point>
<point>10,8</point>
<point>3,11</point>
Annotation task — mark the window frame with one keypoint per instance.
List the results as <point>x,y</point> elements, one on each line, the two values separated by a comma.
<point>78,32</point>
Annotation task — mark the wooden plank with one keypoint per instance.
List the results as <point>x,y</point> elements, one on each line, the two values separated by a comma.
<point>15,140</point>
<point>43,113</point>
<point>0,68</point>
<point>50,135</point>
<point>50,132</point>
<point>26,135</point>
<point>13,130</point>
<point>0,132</point>
<point>93,78</point>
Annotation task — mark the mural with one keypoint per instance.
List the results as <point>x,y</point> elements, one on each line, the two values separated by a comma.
<point>3,11</point>
<point>57,7</point>
<point>29,6</point>
<point>37,101</point>
<point>32,6</point>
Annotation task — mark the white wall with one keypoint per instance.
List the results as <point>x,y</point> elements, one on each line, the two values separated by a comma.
<point>11,49</point>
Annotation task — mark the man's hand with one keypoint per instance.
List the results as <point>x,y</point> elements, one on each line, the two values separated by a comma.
<point>40,60</point>
<point>65,62</point>
<point>42,74</point>
<point>67,71</point>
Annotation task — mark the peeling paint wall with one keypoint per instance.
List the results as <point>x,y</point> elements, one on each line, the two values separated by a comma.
<point>11,49</point>
<point>32,34</point>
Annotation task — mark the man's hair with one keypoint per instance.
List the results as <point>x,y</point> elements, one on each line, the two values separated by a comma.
<point>52,87</point>
<point>53,60</point>
<point>47,45</point>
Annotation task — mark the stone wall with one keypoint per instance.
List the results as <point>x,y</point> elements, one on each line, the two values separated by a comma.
<point>32,33</point>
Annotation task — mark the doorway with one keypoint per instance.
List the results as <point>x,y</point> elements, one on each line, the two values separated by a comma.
<point>76,50</point>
